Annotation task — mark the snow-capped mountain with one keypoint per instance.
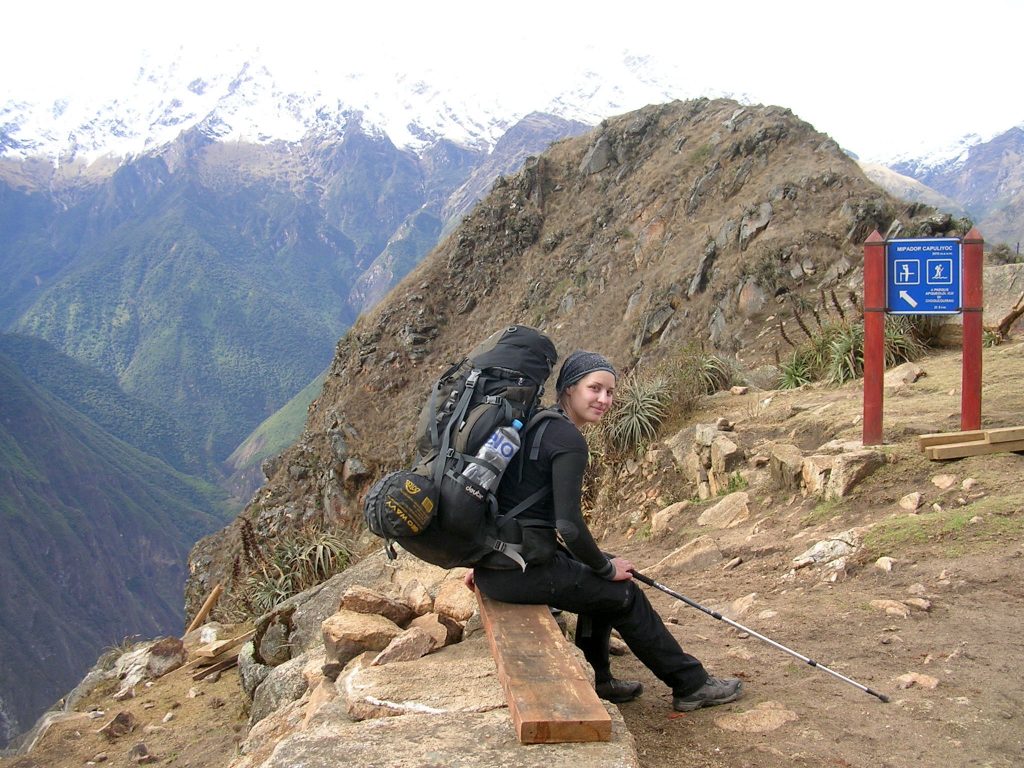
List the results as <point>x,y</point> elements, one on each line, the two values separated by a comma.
<point>249,98</point>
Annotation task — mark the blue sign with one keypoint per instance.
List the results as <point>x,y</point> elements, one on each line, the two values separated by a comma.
<point>923,276</point>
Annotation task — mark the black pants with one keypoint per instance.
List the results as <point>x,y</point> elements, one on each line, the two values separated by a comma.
<point>601,606</point>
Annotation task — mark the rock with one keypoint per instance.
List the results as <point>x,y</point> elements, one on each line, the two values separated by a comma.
<point>697,555</point>
<point>815,472</point>
<point>661,522</point>
<point>354,471</point>
<point>617,646</point>
<point>726,456</point>
<point>141,755</point>
<point>901,375</point>
<point>165,655</point>
<point>891,608</point>
<point>284,684</point>
<point>347,634</point>
<point>459,678</point>
<point>474,738</point>
<point>944,482</point>
<point>884,564</point>
<point>739,390</point>
<point>728,513</point>
<point>444,629</point>
<point>453,599</point>
<point>704,434</point>
<point>363,600</point>
<point>911,501</point>
<point>250,672</point>
<point>274,646</point>
<point>416,596</point>
<point>969,483</point>
<point>848,469</point>
<point>741,605</point>
<point>918,604</point>
<point>598,157</point>
<point>119,725</point>
<point>911,679</point>
<point>412,644</point>
<point>786,464</point>
<point>837,546</point>
<point>754,222</point>
<point>766,716</point>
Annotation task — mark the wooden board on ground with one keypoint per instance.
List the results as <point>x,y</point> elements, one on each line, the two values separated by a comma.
<point>957,445</point>
<point>218,667</point>
<point>217,647</point>
<point>549,695</point>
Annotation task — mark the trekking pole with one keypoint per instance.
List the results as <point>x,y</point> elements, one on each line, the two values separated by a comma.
<point>714,614</point>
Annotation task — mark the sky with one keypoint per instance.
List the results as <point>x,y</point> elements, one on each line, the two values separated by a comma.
<point>881,77</point>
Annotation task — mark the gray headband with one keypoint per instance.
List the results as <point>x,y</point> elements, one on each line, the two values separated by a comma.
<point>579,364</point>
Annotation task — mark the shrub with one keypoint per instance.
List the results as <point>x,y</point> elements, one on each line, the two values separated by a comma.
<point>299,560</point>
<point>641,404</point>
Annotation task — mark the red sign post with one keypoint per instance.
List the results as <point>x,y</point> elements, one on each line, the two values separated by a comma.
<point>874,336</point>
<point>877,304</point>
<point>970,380</point>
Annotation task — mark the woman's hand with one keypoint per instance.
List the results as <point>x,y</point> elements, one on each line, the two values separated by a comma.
<point>622,569</point>
<point>468,580</point>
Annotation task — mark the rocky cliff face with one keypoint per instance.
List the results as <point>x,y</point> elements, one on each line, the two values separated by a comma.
<point>701,222</point>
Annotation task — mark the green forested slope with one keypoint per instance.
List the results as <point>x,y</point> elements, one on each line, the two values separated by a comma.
<point>95,536</point>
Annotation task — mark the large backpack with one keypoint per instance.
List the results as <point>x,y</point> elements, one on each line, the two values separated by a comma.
<point>431,510</point>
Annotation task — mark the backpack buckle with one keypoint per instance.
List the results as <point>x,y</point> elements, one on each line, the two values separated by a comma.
<point>471,379</point>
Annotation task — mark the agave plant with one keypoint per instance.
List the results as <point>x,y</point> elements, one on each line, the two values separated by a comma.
<point>796,372</point>
<point>641,404</point>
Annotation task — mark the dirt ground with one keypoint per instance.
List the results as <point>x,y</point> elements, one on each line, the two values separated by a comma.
<point>964,559</point>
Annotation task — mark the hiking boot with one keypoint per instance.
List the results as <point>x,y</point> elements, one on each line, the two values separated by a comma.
<point>619,691</point>
<point>714,691</point>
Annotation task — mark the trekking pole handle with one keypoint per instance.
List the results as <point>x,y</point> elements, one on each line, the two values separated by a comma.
<point>715,614</point>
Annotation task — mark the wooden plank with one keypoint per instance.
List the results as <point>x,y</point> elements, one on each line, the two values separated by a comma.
<point>1004,434</point>
<point>974,448</point>
<point>549,695</point>
<point>207,606</point>
<point>218,667</point>
<point>943,438</point>
<point>217,647</point>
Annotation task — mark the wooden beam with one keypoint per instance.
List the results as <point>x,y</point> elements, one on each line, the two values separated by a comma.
<point>972,448</point>
<point>549,696</point>
<point>217,647</point>
<point>943,438</point>
<point>220,666</point>
<point>205,609</point>
<point>1005,434</point>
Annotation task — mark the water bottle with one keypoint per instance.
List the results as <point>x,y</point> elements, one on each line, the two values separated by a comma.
<point>498,451</point>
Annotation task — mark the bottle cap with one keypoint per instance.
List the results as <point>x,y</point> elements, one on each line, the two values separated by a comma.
<point>517,424</point>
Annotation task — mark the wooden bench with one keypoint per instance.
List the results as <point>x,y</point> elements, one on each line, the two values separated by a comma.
<point>549,695</point>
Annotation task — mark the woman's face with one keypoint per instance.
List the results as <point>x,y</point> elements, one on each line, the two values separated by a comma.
<point>586,401</point>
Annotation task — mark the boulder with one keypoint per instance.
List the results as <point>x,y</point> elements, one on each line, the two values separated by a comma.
<point>726,456</point>
<point>165,655</point>
<point>786,464</point>
<point>284,684</point>
<point>901,375</point>
<point>661,522</point>
<point>347,634</point>
<point>453,599</point>
<point>728,513</point>
<point>697,555</point>
<point>816,471</point>
<point>848,469</point>
<point>412,644</point>
<point>363,600</point>
<point>443,628</point>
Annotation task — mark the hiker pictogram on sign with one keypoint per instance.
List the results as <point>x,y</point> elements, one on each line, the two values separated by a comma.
<point>923,277</point>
